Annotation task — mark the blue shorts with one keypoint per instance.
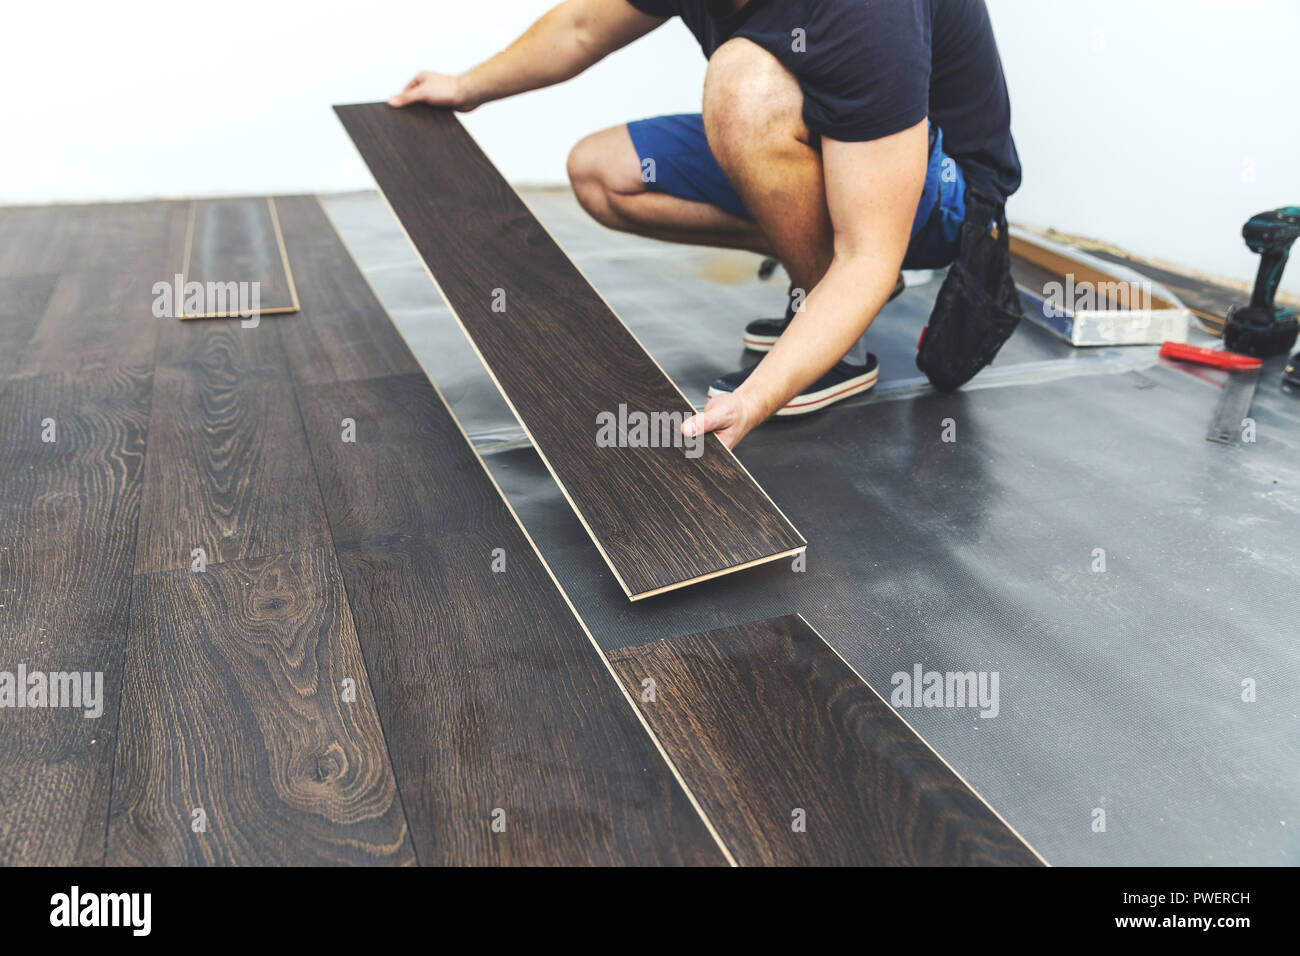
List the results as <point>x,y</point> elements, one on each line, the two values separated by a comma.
<point>683,166</point>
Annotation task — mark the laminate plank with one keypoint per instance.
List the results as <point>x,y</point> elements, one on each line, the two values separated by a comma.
<point>238,240</point>
<point>343,332</point>
<point>40,239</point>
<point>94,321</point>
<point>22,303</point>
<point>496,704</point>
<point>765,719</point>
<point>228,469</point>
<point>103,237</point>
<point>100,313</point>
<point>68,514</point>
<point>561,357</point>
<point>246,698</point>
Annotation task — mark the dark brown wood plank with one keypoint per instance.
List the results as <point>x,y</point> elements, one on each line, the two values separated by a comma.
<point>238,240</point>
<point>343,332</point>
<point>104,237</point>
<point>69,506</point>
<point>100,313</point>
<point>22,303</point>
<point>95,320</point>
<point>765,719</point>
<point>234,704</point>
<point>493,698</point>
<point>68,511</point>
<point>561,357</point>
<point>228,469</point>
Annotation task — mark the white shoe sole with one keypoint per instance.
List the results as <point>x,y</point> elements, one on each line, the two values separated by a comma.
<point>815,401</point>
<point>764,343</point>
<point>759,343</point>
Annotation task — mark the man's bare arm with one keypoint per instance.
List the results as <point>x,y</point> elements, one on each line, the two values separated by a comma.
<point>872,191</point>
<point>568,39</point>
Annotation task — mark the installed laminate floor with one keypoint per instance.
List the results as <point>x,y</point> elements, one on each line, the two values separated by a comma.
<point>511,741</point>
<point>272,556</point>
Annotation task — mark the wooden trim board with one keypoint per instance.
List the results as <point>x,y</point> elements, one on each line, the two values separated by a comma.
<point>1093,305</point>
<point>491,692</point>
<point>239,240</point>
<point>561,357</point>
<point>1060,264</point>
<point>765,720</point>
<point>1208,301</point>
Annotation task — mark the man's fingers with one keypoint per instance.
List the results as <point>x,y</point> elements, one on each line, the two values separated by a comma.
<point>410,92</point>
<point>700,423</point>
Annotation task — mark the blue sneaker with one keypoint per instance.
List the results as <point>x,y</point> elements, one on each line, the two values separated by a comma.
<point>843,381</point>
<point>761,334</point>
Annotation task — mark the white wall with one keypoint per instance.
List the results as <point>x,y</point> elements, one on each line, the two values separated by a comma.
<point>178,97</point>
<point>1160,125</point>
<point>1157,125</point>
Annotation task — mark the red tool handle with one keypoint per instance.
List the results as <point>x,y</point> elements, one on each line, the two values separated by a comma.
<point>1216,357</point>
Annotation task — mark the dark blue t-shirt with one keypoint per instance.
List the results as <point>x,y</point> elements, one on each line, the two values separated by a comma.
<point>872,68</point>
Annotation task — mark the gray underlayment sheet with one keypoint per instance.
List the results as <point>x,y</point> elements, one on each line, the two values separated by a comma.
<point>1119,689</point>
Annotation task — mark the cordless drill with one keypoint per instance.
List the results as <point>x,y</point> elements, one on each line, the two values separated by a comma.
<point>1261,329</point>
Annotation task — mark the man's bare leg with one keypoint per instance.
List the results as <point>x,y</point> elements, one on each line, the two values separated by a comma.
<point>606,175</point>
<point>753,117</point>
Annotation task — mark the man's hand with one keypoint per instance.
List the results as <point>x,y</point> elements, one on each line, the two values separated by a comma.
<point>872,190</point>
<point>436,89</point>
<point>564,42</point>
<point>730,415</point>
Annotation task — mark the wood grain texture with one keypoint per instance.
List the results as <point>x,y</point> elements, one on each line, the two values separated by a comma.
<point>228,469</point>
<point>561,357</point>
<point>96,320</point>
<point>492,696</point>
<point>68,512</point>
<point>103,237</point>
<point>764,719</point>
<point>234,703</point>
<point>343,333</point>
<point>99,315</point>
<point>22,303</point>
<point>238,240</point>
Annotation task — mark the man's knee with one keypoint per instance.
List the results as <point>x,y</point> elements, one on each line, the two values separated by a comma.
<point>602,166</point>
<point>751,101</point>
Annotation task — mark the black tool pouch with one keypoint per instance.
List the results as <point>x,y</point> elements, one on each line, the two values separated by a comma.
<point>978,306</point>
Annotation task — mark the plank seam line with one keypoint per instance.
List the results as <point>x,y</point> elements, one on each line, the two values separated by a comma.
<point>189,246</point>
<point>681,781</point>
